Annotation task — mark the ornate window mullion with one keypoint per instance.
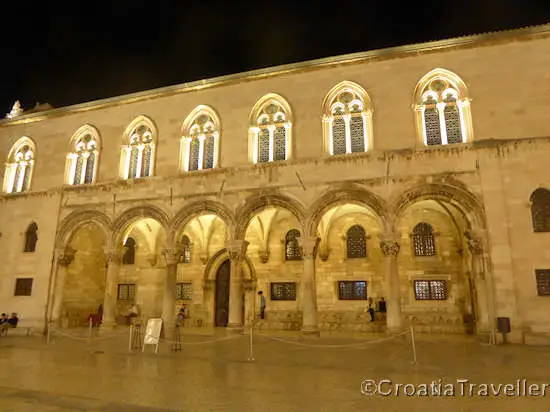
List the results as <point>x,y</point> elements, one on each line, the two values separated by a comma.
<point>271,128</point>
<point>442,122</point>
<point>216,136</point>
<point>256,142</point>
<point>463,131</point>
<point>202,137</point>
<point>347,119</point>
<point>287,141</point>
<point>127,161</point>
<point>330,137</point>
<point>187,154</point>
<point>82,176</point>
<point>72,167</point>
<point>12,171</point>
<point>21,177</point>
<point>366,133</point>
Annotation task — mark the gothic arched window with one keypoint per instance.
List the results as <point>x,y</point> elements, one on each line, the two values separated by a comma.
<point>443,109</point>
<point>20,166</point>
<point>540,210</point>
<point>356,242</point>
<point>347,116</point>
<point>31,237</point>
<point>82,161</point>
<point>138,154</point>
<point>423,240</point>
<point>185,256</point>
<point>292,245</point>
<point>129,256</point>
<point>200,141</point>
<point>270,129</point>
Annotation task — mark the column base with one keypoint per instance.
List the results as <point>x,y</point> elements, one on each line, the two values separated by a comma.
<point>234,328</point>
<point>310,332</point>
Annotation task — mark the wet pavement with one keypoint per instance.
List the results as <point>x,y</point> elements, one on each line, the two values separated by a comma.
<point>213,373</point>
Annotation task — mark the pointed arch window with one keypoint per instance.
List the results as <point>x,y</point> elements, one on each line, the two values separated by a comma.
<point>270,130</point>
<point>540,210</point>
<point>347,116</point>
<point>19,168</point>
<point>443,109</point>
<point>356,242</point>
<point>200,141</point>
<point>138,155</point>
<point>31,238</point>
<point>129,256</point>
<point>423,240</point>
<point>292,245</point>
<point>185,256</point>
<point>82,161</point>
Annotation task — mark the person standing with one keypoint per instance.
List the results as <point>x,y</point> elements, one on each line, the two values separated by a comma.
<point>262,304</point>
<point>370,309</point>
<point>382,307</point>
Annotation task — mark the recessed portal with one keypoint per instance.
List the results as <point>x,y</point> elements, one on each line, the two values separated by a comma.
<point>222,294</point>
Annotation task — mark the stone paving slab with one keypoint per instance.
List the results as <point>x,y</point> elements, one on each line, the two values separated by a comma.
<point>288,374</point>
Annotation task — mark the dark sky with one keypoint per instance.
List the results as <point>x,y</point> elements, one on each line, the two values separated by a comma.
<point>65,55</point>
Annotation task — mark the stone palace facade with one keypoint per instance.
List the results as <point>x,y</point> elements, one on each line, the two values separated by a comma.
<point>415,173</point>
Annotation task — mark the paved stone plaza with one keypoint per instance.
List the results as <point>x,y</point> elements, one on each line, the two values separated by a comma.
<point>75,375</point>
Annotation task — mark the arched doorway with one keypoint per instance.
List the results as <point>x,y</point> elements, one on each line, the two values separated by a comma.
<point>221,316</point>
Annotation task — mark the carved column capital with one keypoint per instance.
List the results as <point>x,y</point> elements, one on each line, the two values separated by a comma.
<point>171,256</point>
<point>309,246</point>
<point>236,249</point>
<point>390,247</point>
<point>66,256</point>
<point>113,255</point>
<point>264,255</point>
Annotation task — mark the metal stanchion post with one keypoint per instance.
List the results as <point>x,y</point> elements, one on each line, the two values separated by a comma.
<point>413,346</point>
<point>49,332</point>
<point>250,352</point>
<point>90,325</point>
<point>130,339</point>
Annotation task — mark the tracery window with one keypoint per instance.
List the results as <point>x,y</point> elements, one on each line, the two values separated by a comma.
<point>347,115</point>
<point>430,289</point>
<point>31,238</point>
<point>138,153</point>
<point>423,240</point>
<point>292,245</point>
<point>540,210</point>
<point>270,130</point>
<point>82,161</point>
<point>20,166</point>
<point>443,109</point>
<point>356,243</point>
<point>185,256</point>
<point>200,140</point>
<point>129,256</point>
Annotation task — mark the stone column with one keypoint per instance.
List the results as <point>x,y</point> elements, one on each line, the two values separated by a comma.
<point>478,275</point>
<point>390,247</point>
<point>307,283</point>
<point>64,259</point>
<point>171,255</point>
<point>237,252</point>
<point>114,259</point>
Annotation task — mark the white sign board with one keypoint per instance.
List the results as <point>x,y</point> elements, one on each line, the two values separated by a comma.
<point>152,333</point>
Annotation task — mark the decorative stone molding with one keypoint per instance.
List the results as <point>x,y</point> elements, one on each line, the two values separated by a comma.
<point>204,257</point>
<point>324,253</point>
<point>236,249</point>
<point>309,246</point>
<point>390,247</point>
<point>171,256</point>
<point>66,257</point>
<point>113,256</point>
<point>264,255</point>
<point>249,285</point>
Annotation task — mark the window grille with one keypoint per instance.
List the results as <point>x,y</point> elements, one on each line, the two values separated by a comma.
<point>133,162</point>
<point>146,161</point>
<point>184,291</point>
<point>263,141</point>
<point>352,290</point>
<point>280,143</point>
<point>209,152</point>
<point>90,166</point>
<point>543,281</point>
<point>194,154</point>
<point>283,291</point>
<point>126,291</point>
<point>23,287</point>
<point>540,210</point>
<point>356,242</point>
<point>338,136</point>
<point>271,127</point>
<point>452,124</point>
<point>357,131</point>
<point>185,256</point>
<point>433,128</point>
<point>78,170</point>
<point>430,289</point>
<point>292,245</point>
<point>423,240</point>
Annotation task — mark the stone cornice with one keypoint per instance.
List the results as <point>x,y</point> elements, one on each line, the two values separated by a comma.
<point>478,40</point>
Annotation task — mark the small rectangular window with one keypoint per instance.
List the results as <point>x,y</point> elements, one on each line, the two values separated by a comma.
<point>430,289</point>
<point>543,282</point>
<point>283,291</point>
<point>23,287</point>
<point>352,290</point>
<point>184,291</point>
<point>127,291</point>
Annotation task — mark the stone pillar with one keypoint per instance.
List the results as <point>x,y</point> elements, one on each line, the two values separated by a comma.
<point>390,247</point>
<point>237,252</point>
<point>171,255</point>
<point>64,259</point>
<point>482,298</point>
<point>307,283</point>
<point>114,259</point>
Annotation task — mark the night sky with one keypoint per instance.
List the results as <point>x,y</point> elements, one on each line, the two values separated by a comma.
<point>67,55</point>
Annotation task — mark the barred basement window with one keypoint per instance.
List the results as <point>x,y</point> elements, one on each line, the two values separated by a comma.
<point>283,291</point>
<point>356,242</point>
<point>430,289</point>
<point>185,256</point>
<point>352,290</point>
<point>423,240</point>
<point>540,210</point>
<point>127,291</point>
<point>184,291</point>
<point>543,281</point>
<point>292,245</point>
<point>23,287</point>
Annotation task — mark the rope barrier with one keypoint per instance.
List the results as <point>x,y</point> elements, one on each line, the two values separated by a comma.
<point>194,343</point>
<point>93,337</point>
